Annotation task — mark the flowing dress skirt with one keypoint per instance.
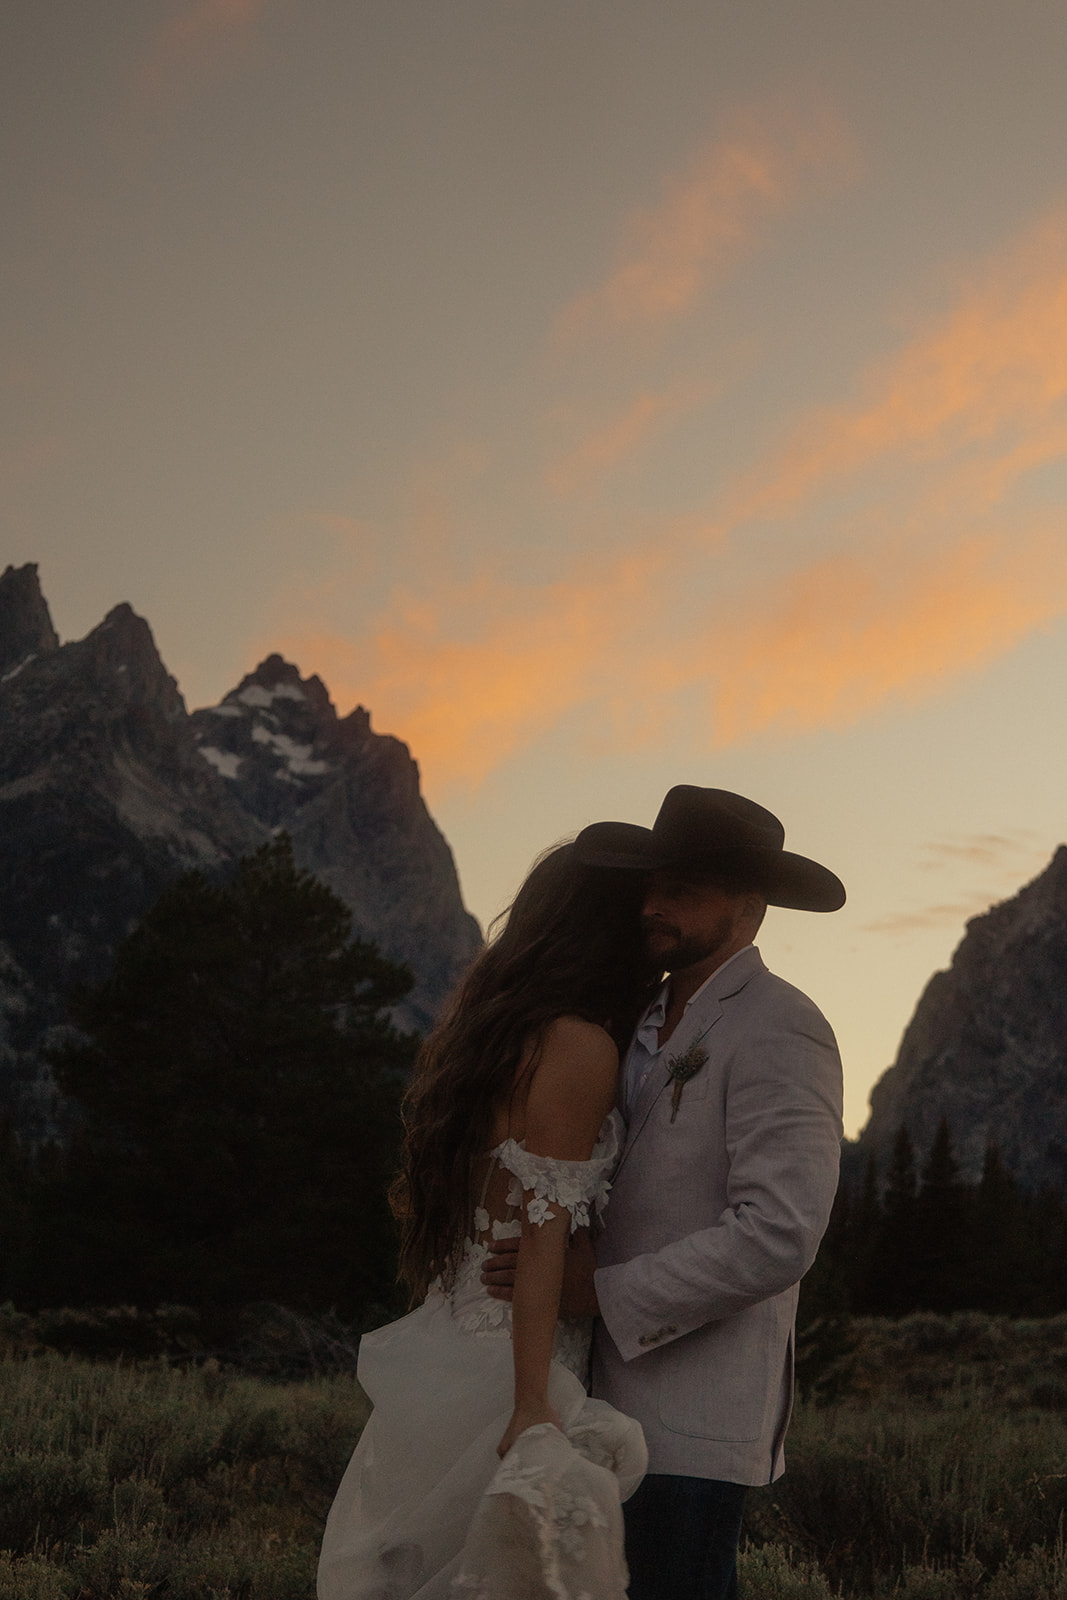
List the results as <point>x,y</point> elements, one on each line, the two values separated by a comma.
<point>427,1510</point>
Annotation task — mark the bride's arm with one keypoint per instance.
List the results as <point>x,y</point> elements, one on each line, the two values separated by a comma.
<point>572,1092</point>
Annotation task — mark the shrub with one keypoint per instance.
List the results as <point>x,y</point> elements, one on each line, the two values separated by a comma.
<point>909,1493</point>
<point>120,1483</point>
<point>770,1573</point>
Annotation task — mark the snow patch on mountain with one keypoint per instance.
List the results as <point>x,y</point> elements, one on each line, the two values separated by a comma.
<point>224,761</point>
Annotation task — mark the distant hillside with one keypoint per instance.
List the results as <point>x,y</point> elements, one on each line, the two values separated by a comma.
<point>109,788</point>
<point>987,1046</point>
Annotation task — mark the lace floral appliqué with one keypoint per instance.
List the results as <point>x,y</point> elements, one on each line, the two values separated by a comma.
<point>550,1523</point>
<point>578,1186</point>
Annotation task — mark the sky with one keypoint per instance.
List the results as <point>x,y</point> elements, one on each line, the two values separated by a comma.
<point>607,394</point>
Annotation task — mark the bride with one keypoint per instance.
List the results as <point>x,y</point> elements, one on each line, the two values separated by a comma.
<point>509,1131</point>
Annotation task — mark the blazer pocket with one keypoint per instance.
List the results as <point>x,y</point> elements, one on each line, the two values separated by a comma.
<point>718,1382</point>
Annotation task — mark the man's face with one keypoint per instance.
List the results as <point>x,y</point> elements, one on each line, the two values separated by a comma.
<point>687,921</point>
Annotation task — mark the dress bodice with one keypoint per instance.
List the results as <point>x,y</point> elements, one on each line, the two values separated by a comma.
<point>580,1187</point>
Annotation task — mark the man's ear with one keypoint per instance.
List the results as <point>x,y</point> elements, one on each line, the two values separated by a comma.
<point>754,908</point>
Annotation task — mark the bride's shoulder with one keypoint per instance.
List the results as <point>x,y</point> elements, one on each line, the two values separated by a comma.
<point>572,1088</point>
<point>577,1036</point>
<point>573,1049</point>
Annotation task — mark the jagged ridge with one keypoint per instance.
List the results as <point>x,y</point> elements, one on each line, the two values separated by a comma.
<point>109,788</point>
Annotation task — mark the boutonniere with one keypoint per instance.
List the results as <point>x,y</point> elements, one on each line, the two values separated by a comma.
<point>681,1068</point>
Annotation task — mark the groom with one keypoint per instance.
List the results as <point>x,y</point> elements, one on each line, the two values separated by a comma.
<point>731,1090</point>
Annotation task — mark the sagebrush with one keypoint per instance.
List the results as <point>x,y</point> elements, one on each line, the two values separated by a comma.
<point>940,1475</point>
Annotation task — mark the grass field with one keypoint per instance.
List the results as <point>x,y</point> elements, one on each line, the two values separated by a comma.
<point>940,1474</point>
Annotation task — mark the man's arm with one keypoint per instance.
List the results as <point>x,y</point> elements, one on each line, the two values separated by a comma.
<point>783,1132</point>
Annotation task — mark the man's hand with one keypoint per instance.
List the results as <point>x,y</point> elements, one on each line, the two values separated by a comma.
<point>578,1298</point>
<point>498,1274</point>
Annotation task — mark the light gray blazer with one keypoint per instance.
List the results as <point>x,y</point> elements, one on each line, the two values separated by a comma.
<point>712,1221</point>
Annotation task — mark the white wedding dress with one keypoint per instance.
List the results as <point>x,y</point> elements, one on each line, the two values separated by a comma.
<point>427,1510</point>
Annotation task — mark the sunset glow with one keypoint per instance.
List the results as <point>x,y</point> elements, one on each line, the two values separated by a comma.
<point>605,396</point>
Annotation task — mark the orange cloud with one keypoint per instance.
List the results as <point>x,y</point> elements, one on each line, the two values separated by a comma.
<point>996,850</point>
<point>905,924</point>
<point>936,569</point>
<point>471,677</point>
<point>465,704</point>
<point>198,39</point>
<point>844,636</point>
<point>989,377</point>
<point>611,443</point>
<point>1003,860</point>
<point>707,214</point>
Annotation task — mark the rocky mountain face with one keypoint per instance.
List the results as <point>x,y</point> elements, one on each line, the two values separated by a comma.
<point>987,1046</point>
<point>109,789</point>
<point>349,799</point>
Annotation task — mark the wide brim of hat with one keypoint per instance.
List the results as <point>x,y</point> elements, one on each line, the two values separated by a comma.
<point>788,880</point>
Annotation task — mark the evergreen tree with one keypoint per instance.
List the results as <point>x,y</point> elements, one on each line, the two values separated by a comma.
<point>863,1239</point>
<point>14,1201</point>
<point>1002,1278</point>
<point>890,1289</point>
<point>239,1081</point>
<point>1046,1230</point>
<point>941,1264</point>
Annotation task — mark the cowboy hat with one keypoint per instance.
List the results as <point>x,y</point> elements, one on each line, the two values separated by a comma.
<point>715,831</point>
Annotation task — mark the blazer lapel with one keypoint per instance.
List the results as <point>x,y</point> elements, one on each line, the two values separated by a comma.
<point>697,1023</point>
<point>690,1030</point>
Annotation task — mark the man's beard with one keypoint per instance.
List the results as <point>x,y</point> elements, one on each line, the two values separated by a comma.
<point>681,952</point>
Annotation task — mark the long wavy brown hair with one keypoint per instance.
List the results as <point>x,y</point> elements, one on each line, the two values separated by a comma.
<point>570,945</point>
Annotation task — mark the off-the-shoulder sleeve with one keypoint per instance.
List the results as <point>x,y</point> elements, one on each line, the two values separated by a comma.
<point>577,1186</point>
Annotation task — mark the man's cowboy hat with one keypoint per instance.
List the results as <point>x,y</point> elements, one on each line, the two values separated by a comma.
<point>715,831</point>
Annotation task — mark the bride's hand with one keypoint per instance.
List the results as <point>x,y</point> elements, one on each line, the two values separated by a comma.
<point>527,1417</point>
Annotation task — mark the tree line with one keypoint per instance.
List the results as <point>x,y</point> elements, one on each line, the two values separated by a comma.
<point>235,1084</point>
<point>918,1238</point>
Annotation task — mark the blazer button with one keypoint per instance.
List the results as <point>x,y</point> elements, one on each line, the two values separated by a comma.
<point>661,1333</point>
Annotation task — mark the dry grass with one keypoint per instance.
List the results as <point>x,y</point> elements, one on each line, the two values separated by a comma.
<point>119,1481</point>
<point>941,1475</point>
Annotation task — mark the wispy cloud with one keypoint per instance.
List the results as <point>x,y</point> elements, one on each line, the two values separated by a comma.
<point>998,850</point>
<point>474,673</point>
<point>198,38</point>
<point>607,445</point>
<point>465,703</point>
<point>707,214</point>
<point>904,924</point>
<point>984,387</point>
<point>839,638</point>
<point>1002,863</point>
<point>940,562</point>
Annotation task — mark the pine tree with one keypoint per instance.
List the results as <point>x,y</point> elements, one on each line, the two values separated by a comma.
<point>14,1200</point>
<point>863,1239</point>
<point>239,1081</point>
<point>1045,1224</point>
<point>891,1284</point>
<point>941,1260</point>
<point>1001,1270</point>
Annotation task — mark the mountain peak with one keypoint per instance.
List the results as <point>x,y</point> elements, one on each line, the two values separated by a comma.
<point>25,624</point>
<point>276,679</point>
<point>121,654</point>
<point>987,1046</point>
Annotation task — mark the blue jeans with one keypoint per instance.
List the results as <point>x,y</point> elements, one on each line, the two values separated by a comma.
<point>681,1538</point>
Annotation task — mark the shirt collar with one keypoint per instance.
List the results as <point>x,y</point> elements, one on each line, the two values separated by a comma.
<point>656,1014</point>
